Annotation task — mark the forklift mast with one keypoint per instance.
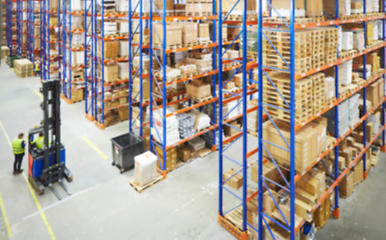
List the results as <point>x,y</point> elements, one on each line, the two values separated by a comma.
<point>51,116</point>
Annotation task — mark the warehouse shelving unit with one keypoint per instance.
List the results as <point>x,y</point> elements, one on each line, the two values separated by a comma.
<point>33,49</point>
<point>11,28</point>
<point>99,61</point>
<point>241,228</point>
<point>89,67</point>
<point>21,31</point>
<point>72,73</point>
<point>136,49</point>
<point>160,99</point>
<point>49,22</point>
<point>244,64</point>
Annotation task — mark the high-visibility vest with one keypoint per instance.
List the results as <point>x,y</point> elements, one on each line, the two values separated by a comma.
<point>40,143</point>
<point>37,67</point>
<point>16,146</point>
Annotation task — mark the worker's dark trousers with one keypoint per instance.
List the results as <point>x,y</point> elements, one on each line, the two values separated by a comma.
<point>17,163</point>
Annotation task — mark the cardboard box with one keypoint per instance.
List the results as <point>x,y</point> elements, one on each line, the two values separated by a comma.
<point>184,153</point>
<point>305,196</point>
<point>123,113</point>
<point>268,203</point>
<point>346,185</point>
<point>306,144</point>
<point>347,154</point>
<point>358,172</point>
<point>314,8</point>
<point>235,182</point>
<point>303,210</point>
<point>198,90</point>
<point>229,131</point>
<point>111,73</point>
<point>372,59</point>
<point>145,88</point>
<point>173,35</point>
<point>319,215</point>
<point>370,33</point>
<point>110,49</point>
<point>341,163</point>
<point>169,6</point>
<point>189,32</point>
<point>203,32</point>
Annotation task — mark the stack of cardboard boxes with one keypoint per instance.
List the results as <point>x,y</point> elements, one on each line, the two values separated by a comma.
<point>23,68</point>
<point>171,158</point>
<point>310,142</point>
<point>198,90</point>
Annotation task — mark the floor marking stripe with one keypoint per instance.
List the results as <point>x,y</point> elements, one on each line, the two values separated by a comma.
<point>5,217</point>
<point>39,94</point>
<point>95,148</point>
<point>33,193</point>
<point>6,135</point>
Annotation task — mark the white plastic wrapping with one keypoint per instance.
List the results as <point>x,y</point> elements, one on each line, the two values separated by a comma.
<point>145,168</point>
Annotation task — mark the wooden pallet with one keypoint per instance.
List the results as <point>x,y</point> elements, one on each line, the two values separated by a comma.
<point>139,189</point>
<point>199,14</point>
<point>191,44</point>
<point>204,152</point>
<point>344,54</point>
<point>298,20</point>
<point>199,100</point>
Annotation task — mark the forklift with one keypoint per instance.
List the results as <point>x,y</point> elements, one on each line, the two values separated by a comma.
<point>47,165</point>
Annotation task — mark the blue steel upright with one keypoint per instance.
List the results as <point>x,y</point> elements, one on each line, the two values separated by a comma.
<point>89,59</point>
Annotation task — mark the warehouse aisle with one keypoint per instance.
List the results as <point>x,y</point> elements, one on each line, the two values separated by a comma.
<point>104,206</point>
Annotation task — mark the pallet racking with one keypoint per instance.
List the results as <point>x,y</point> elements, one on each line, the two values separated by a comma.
<point>50,40</point>
<point>103,43</point>
<point>237,220</point>
<point>11,28</point>
<point>89,19</point>
<point>150,116</point>
<point>33,31</point>
<point>3,23</point>
<point>159,116</point>
<point>21,26</point>
<point>72,49</point>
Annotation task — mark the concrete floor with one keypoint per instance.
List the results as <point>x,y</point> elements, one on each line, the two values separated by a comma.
<point>103,204</point>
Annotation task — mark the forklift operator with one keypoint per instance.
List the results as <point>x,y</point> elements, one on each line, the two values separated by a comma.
<point>40,141</point>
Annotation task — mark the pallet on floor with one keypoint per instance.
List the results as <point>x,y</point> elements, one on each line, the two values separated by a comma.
<point>139,189</point>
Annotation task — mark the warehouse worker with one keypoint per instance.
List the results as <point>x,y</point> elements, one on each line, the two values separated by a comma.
<point>37,69</point>
<point>18,147</point>
<point>40,141</point>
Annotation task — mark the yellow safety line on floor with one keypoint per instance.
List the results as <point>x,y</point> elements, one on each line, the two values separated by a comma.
<point>39,94</point>
<point>6,135</point>
<point>40,208</point>
<point>5,217</point>
<point>33,193</point>
<point>95,148</point>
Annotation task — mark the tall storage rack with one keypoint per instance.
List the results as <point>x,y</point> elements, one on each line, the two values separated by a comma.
<point>4,23</point>
<point>244,65</point>
<point>89,67</point>
<point>72,49</point>
<point>33,30</point>
<point>11,26</point>
<point>238,224</point>
<point>49,40</point>
<point>159,97</point>
<point>21,23</point>
<point>102,13</point>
